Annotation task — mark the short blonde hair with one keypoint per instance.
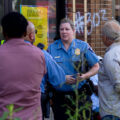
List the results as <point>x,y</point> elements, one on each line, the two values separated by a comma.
<point>67,20</point>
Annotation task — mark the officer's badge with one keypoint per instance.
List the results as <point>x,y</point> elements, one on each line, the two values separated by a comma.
<point>77,51</point>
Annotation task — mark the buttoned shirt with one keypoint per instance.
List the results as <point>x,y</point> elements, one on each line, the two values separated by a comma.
<point>55,74</point>
<point>109,75</point>
<point>22,67</point>
<point>67,58</point>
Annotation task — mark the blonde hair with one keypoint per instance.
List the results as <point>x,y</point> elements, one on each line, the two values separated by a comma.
<point>67,20</point>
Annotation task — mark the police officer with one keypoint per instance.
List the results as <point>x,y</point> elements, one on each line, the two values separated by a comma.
<point>71,53</point>
<point>55,74</point>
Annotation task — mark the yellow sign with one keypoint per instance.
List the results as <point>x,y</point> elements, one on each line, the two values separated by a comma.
<point>39,17</point>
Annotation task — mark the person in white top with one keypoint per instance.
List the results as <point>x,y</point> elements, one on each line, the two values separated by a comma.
<point>109,73</point>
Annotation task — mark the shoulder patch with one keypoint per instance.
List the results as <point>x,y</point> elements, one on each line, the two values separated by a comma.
<point>56,42</point>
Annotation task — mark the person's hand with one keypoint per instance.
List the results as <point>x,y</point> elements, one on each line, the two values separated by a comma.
<point>80,77</point>
<point>70,79</point>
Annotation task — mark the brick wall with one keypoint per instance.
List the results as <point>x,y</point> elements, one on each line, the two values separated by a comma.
<point>98,11</point>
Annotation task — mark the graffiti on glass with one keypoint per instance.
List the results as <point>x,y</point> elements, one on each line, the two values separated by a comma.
<point>93,20</point>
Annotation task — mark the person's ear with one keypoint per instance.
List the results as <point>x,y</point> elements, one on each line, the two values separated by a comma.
<point>74,30</point>
<point>107,42</point>
<point>31,36</point>
<point>110,41</point>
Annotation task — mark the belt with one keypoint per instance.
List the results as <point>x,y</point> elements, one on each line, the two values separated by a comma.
<point>86,89</point>
<point>80,90</point>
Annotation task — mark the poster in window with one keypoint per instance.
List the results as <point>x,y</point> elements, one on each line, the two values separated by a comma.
<point>38,15</point>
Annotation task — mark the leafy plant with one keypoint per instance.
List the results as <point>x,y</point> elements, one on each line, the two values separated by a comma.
<point>9,114</point>
<point>73,110</point>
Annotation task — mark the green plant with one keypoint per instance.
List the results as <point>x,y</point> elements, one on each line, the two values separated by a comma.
<point>79,113</point>
<point>9,114</point>
<point>73,110</point>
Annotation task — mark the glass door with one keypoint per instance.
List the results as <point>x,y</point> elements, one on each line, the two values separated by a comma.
<point>1,15</point>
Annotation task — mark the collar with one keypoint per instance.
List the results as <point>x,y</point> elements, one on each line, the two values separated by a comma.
<point>60,44</point>
<point>73,44</point>
<point>15,40</point>
<point>27,41</point>
<point>113,45</point>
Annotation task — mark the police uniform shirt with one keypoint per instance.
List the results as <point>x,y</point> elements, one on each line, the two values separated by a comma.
<point>55,74</point>
<point>66,58</point>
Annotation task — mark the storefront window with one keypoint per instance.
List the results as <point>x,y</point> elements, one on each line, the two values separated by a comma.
<point>50,5</point>
<point>1,14</point>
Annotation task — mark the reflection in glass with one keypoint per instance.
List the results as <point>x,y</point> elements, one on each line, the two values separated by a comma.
<point>1,15</point>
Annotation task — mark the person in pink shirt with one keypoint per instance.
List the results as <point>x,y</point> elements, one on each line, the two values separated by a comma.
<point>22,67</point>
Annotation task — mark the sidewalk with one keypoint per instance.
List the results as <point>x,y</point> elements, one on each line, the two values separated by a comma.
<point>51,115</point>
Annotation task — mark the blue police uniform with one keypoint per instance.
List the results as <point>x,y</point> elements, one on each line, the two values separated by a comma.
<point>78,52</point>
<point>66,59</point>
<point>55,74</point>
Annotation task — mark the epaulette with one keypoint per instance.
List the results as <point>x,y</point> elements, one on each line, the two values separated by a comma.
<point>56,42</point>
<point>80,41</point>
